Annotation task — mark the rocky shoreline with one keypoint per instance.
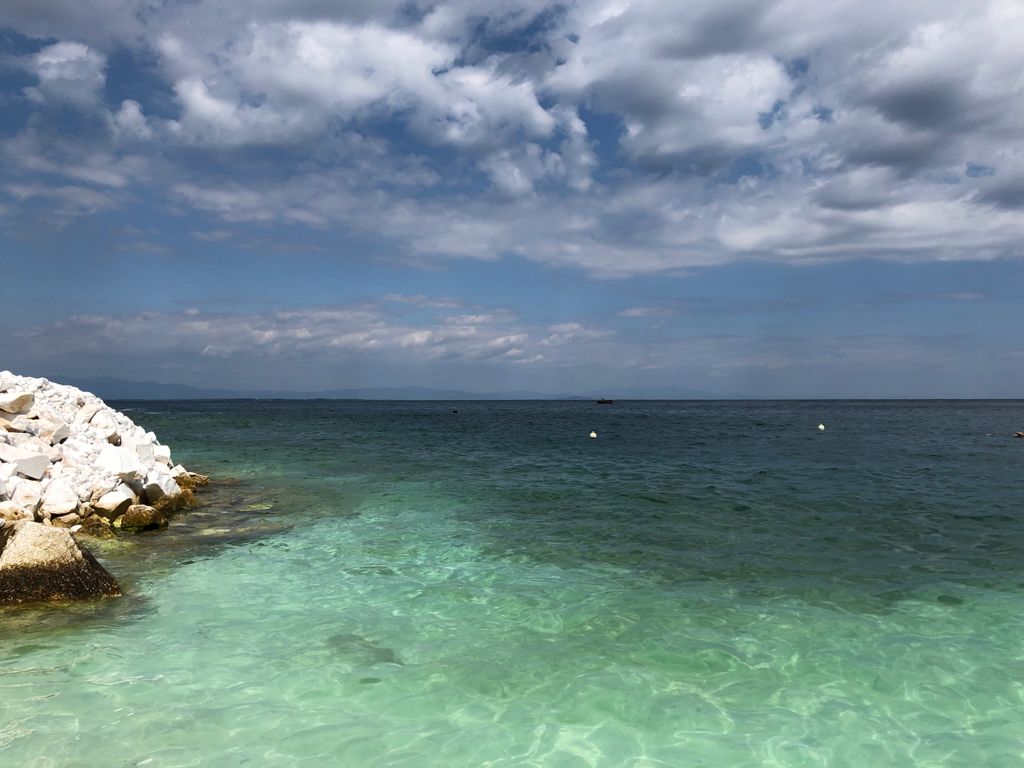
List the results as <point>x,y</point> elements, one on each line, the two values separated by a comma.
<point>69,463</point>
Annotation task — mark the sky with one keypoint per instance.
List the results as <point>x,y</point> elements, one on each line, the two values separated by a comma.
<point>776,198</point>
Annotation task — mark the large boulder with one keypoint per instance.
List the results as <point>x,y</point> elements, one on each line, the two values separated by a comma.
<point>40,563</point>
<point>59,498</point>
<point>141,517</point>
<point>121,462</point>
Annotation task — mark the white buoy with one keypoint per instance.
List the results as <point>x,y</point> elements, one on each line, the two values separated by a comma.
<point>821,427</point>
<point>593,435</point>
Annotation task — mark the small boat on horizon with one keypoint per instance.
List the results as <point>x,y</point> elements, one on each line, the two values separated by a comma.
<point>604,401</point>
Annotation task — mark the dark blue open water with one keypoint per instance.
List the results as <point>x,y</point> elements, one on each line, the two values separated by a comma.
<point>705,584</point>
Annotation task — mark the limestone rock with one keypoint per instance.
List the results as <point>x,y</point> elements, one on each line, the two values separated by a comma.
<point>26,493</point>
<point>40,563</point>
<point>6,472</point>
<point>87,411</point>
<point>15,422</point>
<point>54,430</point>
<point>113,504</point>
<point>66,521</point>
<point>143,448</point>
<point>11,512</point>
<point>28,462</point>
<point>104,423</point>
<point>121,462</point>
<point>59,498</point>
<point>141,517</point>
<point>162,454</point>
<point>16,402</point>
<point>160,484</point>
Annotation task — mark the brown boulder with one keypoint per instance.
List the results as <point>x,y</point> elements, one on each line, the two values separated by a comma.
<point>40,563</point>
<point>141,517</point>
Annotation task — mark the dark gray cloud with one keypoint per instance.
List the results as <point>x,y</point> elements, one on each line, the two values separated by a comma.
<point>924,105</point>
<point>1005,193</point>
<point>730,27</point>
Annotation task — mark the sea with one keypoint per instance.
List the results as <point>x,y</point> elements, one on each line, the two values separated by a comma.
<point>484,584</point>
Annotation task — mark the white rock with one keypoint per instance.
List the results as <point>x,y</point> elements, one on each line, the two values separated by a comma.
<point>104,423</point>
<point>142,447</point>
<point>16,402</point>
<point>101,485</point>
<point>79,448</point>
<point>160,484</point>
<point>162,454</point>
<point>15,422</point>
<point>26,493</point>
<point>53,430</point>
<point>29,463</point>
<point>113,504</point>
<point>121,462</point>
<point>87,411</point>
<point>59,498</point>
<point>130,492</point>
<point>27,441</point>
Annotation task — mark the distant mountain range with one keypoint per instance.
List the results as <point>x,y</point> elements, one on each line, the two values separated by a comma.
<point>122,389</point>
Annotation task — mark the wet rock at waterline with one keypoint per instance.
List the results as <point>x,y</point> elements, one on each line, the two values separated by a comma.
<point>44,563</point>
<point>68,462</point>
<point>141,517</point>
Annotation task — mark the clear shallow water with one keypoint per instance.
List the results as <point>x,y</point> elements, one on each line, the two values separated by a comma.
<point>706,584</point>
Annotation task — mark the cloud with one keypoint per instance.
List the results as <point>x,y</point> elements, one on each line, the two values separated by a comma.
<point>646,312</point>
<point>67,201</point>
<point>303,76</point>
<point>68,73</point>
<point>789,130</point>
<point>419,300</point>
<point>339,345</point>
<point>128,123</point>
<point>98,22</point>
<point>339,333</point>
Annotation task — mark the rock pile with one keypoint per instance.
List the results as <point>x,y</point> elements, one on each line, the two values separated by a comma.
<point>68,459</point>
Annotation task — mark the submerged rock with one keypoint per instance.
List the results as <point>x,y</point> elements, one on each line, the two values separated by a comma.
<point>43,563</point>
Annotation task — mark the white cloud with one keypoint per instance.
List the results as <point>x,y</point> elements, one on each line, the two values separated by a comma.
<point>646,312</point>
<point>65,202</point>
<point>129,123</point>
<point>619,137</point>
<point>329,333</point>
<point>68,73</point>
<point>287,81</point>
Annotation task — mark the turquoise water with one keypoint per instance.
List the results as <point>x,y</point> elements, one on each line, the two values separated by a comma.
<point>705,584</point>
